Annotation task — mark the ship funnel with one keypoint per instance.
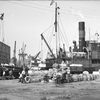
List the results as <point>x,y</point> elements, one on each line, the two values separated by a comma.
<point>81,36</point>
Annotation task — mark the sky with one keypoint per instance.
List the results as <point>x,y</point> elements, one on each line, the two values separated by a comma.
<point>24,21</point>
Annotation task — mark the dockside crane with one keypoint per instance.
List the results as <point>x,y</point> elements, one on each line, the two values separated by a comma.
<point>22,55</point>
<point>34,59</point>
<point>37,55</point>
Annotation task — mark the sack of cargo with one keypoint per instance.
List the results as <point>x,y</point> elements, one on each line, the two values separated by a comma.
<point>30,72</point>
<point>85,78</point>
<point>88,77</point>
<point>80,77</point>
<point>85,73</point>
<point>96,74</point>
<point>75,78</point>
<point>91,77</point>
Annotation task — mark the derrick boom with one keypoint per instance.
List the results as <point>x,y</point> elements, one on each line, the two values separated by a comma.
<point>47,45</point>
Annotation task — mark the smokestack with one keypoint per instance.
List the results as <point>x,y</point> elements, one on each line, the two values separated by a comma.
<point>81,36</point>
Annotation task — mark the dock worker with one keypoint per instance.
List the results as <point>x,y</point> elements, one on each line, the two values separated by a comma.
<point>11,74</point>
<point>22,76</point>
<point>4,73</point>
<point>68,70</point>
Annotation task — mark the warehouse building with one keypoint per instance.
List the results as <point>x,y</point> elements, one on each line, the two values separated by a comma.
<point>4,53</point>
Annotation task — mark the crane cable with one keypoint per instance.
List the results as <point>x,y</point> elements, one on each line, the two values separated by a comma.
<point>64,32</point>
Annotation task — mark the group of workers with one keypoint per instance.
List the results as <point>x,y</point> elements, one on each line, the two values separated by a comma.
<point>59,70</point>
<point>7,73</point>
<point>59,73</point>
<point>23,74</point>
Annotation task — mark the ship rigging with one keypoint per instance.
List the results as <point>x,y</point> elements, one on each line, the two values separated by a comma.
<point>58,54</point>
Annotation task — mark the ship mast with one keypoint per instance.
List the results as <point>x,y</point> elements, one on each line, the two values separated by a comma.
<point>56,26</point>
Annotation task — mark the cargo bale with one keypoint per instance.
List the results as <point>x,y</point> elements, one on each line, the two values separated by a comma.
<point>75,77</point>
<point>85,78</point>
<point>96,74</point>
<point>91,77</point>
<point>80,77</point>
<point>88,77</point>
<point>85,73</point>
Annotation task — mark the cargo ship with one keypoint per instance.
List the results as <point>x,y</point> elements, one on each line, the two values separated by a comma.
<point>87,53</point>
